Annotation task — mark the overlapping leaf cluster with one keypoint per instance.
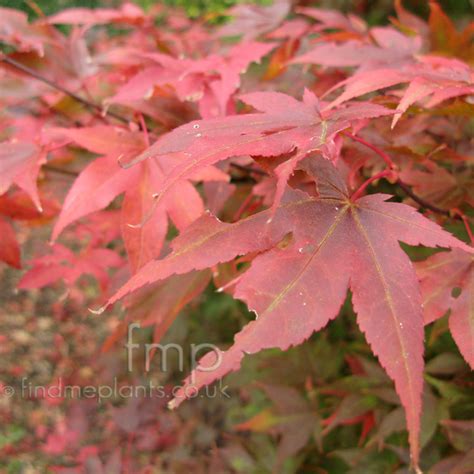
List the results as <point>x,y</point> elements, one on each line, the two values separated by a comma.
<point>259,152</point>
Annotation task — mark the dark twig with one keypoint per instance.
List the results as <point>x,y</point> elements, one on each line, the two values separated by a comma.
<point>422,202</point>
<point>249,169</point>
<point>452,213</point>
<point>391,165</point>
<point>32,73</point>
<point>385,157</point>
<point>96,107</point>
<point>358,193</point>
<point>243,180</point>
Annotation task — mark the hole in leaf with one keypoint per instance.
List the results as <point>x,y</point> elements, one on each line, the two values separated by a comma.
<point>456,292</point>
<point>285,241</point>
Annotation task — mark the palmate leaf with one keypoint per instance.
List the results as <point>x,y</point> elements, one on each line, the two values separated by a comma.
<point>294,290</point>
<point>385,57</point>
<point>285,125</point>
<point>102,179</point>
<point>439,276</point>
<point>63,264</point>
<point>211,80</point>
<point>20,163</point>
<point>144,225</point>
<point>294,263</point>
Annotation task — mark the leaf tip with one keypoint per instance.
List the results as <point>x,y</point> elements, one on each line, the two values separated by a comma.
<point>99,310</point>
<point>173,404</point>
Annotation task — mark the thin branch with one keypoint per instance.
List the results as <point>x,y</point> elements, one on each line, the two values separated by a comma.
<point>392,166</point>
<point>381,153</point>
<point>243,180</point>
<point>467,225</point>
<point>32,73</point>
<point>361,189</point>
<point>97,108</point>
<point>422,202</point>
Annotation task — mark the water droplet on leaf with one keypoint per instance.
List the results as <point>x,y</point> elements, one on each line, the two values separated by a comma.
<point>309,248</point>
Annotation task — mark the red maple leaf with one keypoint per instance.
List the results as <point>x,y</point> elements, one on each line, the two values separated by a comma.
<point>337,244</point>
<point>210,81</point>
<point>285,126</point>
<point>385,58</point>
<point>144,225</point>
<point>20,163</point>
<point>439,276</point>
<point>63,264</point>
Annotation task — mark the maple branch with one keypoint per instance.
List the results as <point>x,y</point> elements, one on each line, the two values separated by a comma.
<point>382,174</point>
<point>421,201</point>
<point>381,153</point>
<point>87,103</point>
<point>392,166</point>
<point>452,213</point>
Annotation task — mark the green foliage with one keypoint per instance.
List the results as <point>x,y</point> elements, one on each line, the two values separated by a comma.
<point>50,6</point>
<point>375,11</point>
<point>192,7</point>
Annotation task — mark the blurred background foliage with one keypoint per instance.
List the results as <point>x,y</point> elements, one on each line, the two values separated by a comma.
<point>217,317</point>
<point>374,11</point>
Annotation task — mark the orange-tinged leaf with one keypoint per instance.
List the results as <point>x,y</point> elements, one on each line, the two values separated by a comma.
<point>442,31</point>
<point>9,248</point>
<point>260,423</point>
<point>292,415</point>
<point>444,37</point>
<point>279,59</point>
